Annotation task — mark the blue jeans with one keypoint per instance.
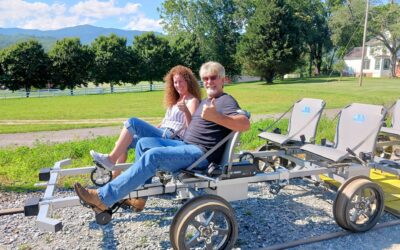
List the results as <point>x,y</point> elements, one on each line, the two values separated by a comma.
<point>152,154</point>
<point>139,129</point>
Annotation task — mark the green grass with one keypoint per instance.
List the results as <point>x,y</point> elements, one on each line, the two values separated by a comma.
<point>256,97</point>
<point>143,104</point>
<point>260,98</point>
<point>19,167</point>
<point>8,129</point>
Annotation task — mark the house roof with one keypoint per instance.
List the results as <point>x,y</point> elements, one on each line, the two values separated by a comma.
<point>355,53</point>
<point>373,42</point>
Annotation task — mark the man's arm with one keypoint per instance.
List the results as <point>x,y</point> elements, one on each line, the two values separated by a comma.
<point>233,122</point>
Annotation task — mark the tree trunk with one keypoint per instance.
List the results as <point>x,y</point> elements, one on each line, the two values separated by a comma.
<point>112,88</point>
<point>393,60</point>
<point>269,76</point>
<point>318,59</point>
<point>151,85</point>
<point>331,61</point>
<point>71,90</point>
<point>27,91</point>
<point>310,63</point>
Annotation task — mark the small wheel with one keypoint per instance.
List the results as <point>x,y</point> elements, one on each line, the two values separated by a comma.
<point>204,222</point>
<point>247,157</point>
<point>100,176</point>
<point>359,205</point>
<point>386,152</point>
<point>103,218</point>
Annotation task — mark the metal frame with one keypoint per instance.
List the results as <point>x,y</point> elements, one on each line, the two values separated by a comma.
<point>186,186</point>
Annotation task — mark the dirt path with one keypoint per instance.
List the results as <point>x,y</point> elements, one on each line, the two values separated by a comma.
<point>82,121</point>
<point>30,138</point>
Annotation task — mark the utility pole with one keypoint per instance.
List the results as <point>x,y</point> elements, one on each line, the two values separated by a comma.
<point>363,44</point>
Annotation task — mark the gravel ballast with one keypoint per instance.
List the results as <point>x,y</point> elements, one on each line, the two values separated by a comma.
<point>300,211</point>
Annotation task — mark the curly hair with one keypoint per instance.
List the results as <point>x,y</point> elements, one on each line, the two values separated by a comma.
<point>171,96</point>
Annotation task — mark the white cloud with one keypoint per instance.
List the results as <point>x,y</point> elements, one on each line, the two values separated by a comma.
<point>40,15</point>
<point>53,23</point>
<point>17,13</point>
<point>140,22</point>
<point>99,9</point>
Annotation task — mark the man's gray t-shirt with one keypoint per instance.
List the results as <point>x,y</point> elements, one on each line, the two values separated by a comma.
<point>206,134</point>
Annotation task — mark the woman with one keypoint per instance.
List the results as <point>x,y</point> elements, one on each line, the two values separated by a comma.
<point>182,95</point>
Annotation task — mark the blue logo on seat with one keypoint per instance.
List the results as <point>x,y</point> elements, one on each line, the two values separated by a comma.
<point>359,118</point>
<point>306,109</point>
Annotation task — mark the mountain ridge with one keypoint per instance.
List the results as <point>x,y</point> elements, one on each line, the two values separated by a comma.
<point>86,33</point>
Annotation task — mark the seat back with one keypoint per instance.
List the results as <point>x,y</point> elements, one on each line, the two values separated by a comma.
<point>396,115</point>
<point>358,127</point>
<point>304,119</point>
<point>229,151</point>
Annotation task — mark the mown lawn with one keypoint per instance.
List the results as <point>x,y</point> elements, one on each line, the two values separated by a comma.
<point>260,98</point>
<point>257,97</point>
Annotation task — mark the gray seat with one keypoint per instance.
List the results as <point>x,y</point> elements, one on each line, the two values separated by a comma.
<point>304,119</point>
<point>395,129</point>
<point>357,129</point>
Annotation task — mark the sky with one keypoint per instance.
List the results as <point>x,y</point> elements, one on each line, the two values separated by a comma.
<point>50,15</point>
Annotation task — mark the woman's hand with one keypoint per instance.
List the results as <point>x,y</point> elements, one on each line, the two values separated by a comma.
<point>188,108</point>
<point>182,105</point>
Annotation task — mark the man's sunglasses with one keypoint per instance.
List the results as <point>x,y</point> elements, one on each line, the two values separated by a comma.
<point>211,78</point>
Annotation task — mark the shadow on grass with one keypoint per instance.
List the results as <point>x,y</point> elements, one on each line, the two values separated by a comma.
<point>302,81</point>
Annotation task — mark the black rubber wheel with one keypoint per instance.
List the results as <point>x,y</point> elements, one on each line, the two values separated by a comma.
<point>247,157</point>
<point>359,205</point>
<point>100,176</point>
<point>340,220</point>
<point>103,218</point>
<point>204,222</point>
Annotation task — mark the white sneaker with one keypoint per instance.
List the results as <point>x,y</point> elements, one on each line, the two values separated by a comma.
<point>102,159</point>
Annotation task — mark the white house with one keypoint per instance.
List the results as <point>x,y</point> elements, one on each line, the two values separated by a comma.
<point>376,60</point>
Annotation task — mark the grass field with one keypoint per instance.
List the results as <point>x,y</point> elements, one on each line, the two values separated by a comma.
<point>258,98</point>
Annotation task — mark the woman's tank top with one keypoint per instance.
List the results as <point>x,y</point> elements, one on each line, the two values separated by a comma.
<point>174,119</point>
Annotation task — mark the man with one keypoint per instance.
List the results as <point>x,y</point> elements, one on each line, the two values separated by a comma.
<point>215,118</point>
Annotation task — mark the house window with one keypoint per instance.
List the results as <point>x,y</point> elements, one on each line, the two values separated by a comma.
<point>377,64</point>
<point>366,64</point>
<point>386,64</point>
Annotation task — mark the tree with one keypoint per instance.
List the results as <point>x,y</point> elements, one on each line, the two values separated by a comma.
<point>314,26</point>
<point>186,51</point>
<point>70,63</point>
<point>2,73</point>
<point>111,60</point>
<point>271,43</point>
<point>345,24</point>
<point>154,53</point>
<point>216,25</point>
<point>25,65</point>
<point>385,26</point>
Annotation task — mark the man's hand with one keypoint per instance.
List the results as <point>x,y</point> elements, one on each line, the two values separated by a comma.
<point>210,112</point>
